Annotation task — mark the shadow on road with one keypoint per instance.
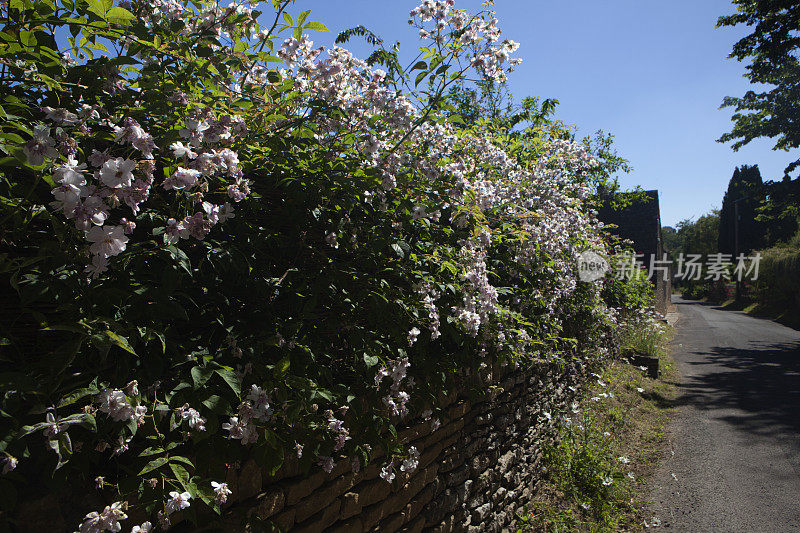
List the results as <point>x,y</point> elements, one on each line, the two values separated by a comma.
<point>762,383</point>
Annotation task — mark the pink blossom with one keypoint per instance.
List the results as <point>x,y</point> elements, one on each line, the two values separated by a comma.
<point>127,225</point>
<point>53,427</point>
<point>9,463</point>
<point>326,463</point>
<point>122,445</point>
<point>192,416</point>
<point>146,527</point>
<point>108,520</point>
<point>183,178</point>
<point>117,172</point>
<point>60,115</point>
<point>107,241</point>
<point>179,150</point>
<point>40,147</point>
<point>139,413</point>
<point>92,211</point>
<point>114,403</point>
<point>387,472</point>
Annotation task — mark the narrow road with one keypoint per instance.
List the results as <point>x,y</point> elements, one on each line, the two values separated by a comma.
<point>734,464</point>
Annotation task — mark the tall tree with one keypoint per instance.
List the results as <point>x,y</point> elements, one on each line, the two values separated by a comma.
<point>671,240</point>
<point>780,211</point>
<point>744,195</point>
<point>701,236</point>
<point>772,50</point>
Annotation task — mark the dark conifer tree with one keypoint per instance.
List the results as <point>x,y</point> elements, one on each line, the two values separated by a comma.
<point>745,194</point>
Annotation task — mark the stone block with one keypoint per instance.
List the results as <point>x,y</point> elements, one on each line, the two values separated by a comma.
<point>354,525</point>
<point>351,505</point>
<point>481,513</point>
<point>321,520</point>
<point>443,526</point>
<point>373,514</point>
<point>464,490</point>
<point>413,509</point>
<point>249,480</point>
<point>391,524</point>
<point>416,526</point>
<point>452,460</point>
<point>298,489</point>
<point>459,410</point>
<point>372,491</point>
<point>457,476</point>
<point>270,503</point>
<point>430,454</point>
<point>476,500</point>
<point>415,432</point>
<point>284,520</point>
<point>315,502</point>
<point>441,506</point>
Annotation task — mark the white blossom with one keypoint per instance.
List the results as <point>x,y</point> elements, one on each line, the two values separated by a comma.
<point>221,492</point>
<point>177,501</point>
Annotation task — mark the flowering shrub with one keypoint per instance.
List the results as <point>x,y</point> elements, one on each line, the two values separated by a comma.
<point>222,242</point>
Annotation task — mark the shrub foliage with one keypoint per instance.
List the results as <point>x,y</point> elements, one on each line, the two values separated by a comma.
<point>221,242</point>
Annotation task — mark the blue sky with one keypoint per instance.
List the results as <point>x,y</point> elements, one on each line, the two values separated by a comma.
<point>652,73</point>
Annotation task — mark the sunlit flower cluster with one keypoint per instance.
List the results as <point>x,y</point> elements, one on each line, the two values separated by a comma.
<point>113,176</point>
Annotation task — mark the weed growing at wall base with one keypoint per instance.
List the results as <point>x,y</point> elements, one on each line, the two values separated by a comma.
<point>609,443</point>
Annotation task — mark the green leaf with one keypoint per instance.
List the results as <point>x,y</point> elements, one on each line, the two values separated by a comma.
<point>206,493</point>
<point>282,367</point>
<point>119,15</point>
<point>288,18</point>
<point>216,403</point>
<point>316,26</point>
<point>302,18</point>
<point>151,451</point>
<point>100,7</point>
<point>181,459</point>
<point>154,465</point>
<point>74,396</point>
<point>200,375</point>
<point>85,420</point>
<point>230,378</point>
<point>122,342</point>
<point>183,478</point>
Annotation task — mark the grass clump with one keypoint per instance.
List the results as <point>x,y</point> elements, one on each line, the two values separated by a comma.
<point>644,334</point>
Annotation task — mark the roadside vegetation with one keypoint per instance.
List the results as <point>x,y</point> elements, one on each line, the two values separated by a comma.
<point>776,293</point>
<point>241,246</point>
<point>609,444</point>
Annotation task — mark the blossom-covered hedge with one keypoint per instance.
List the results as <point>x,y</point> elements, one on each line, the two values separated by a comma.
<point>220,242</point>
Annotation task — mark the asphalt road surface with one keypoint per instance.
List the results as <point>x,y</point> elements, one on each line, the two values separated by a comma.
<point>734,463</point>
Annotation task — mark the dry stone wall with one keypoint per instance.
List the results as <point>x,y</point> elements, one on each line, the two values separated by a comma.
<point>475,471</point>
